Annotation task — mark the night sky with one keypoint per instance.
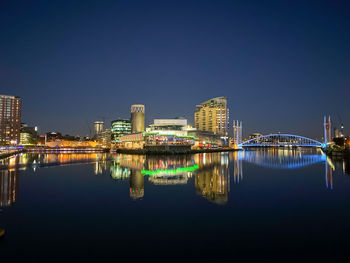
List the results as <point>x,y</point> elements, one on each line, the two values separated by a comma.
<point>282,64</point>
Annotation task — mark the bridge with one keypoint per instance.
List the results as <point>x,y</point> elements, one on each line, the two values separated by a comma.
<point>281,140</point>
<point>277,160</point>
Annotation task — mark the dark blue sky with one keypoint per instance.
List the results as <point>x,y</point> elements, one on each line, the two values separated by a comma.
<point>282,64</point>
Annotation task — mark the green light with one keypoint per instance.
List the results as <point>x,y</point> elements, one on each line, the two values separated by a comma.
<point>170,171</point>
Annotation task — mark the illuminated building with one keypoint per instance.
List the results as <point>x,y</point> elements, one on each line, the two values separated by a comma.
<point>119,128</point>
<point>338,133</point>
<point>70,144</point>
<point>255,135</point>
<point>28,135</point>
<point>177,126</point>
<point>137,118</point>
<point>213,115</point>
<point>170,132</point>
<point>170,126</point>
<point>105,138</point>
<point>98,127</point>
<point>10,119</point>
<point>133,141</point>
<point>53,136</point>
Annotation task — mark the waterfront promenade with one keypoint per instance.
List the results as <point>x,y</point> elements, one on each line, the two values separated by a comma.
<point>6,152</point>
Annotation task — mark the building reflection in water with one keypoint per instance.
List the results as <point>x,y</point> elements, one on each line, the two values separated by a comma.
<point>137,184</point>
<point>8,187</point>
<point>210,171</point>
<point>169,170</point>
<point>9,181</point>
<point>237,166</point>
<point>212,180</point>
<point>119,172</point>
<point>329,167</point>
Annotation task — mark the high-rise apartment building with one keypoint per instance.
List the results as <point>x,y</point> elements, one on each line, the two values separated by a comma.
<point>213,115</point>
<point>10,119</point>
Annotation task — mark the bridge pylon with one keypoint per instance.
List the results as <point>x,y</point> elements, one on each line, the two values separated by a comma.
<point>237,134</point>
<point>327,126</point>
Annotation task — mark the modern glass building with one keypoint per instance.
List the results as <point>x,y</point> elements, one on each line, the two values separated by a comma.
<point>119,128</point>
<point>28,135</point>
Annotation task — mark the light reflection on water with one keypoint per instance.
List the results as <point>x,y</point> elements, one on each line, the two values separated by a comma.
<point>211,171</point>
<point>215,201</point>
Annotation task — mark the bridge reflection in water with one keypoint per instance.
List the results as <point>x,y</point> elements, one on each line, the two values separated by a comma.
<point>289,159</point>
<point>210,172</point>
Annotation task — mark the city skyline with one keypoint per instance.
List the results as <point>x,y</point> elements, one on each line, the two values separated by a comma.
<point>282,66</point>
<point>108,124</point>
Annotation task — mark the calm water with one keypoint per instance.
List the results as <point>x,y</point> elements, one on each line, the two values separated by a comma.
<point>282,205</point>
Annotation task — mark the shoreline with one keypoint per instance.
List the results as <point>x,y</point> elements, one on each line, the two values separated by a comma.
<point>8,154</point>
<point>333,152</point>
<point>167,151</point>
<point>172,151</point>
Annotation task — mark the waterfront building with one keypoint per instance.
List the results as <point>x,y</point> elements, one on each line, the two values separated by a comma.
<point>255,135</point>
<point>105,138</point>
<point>10,119</point>
<point>98,127</point>
<point>119,128</point>
<point>137,118</point>
<point>41,139</point>
<point>170,132</point>
<point>28,135</point>
<point>338,133</point>
<point>213,115</point>
<point>53,136</point>
<point>71,144</point>
<point>191,138</point>
<point>177,126</point>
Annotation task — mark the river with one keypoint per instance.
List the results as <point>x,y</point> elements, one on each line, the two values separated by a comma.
<point>277,205</point>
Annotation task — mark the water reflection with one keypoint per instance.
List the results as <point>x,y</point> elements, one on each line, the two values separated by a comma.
<point>282,159</point>
<point>24,160</point>
<point>8,187</point>
<point>209,172</point>
<point>212,181</point>
<point>8,190</point>
<point>137,184</point>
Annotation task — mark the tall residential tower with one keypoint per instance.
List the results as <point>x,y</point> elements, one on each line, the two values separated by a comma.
<point>213,115</point>
<point>10,119</point>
